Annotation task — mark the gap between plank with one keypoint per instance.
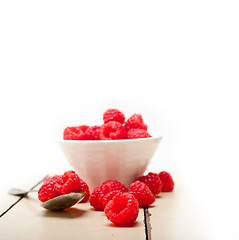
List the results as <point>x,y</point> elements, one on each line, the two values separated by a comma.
<point>147,223</point>
<point>23,196</point>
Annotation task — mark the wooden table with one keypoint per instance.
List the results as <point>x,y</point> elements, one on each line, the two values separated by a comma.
<point>172,216</point>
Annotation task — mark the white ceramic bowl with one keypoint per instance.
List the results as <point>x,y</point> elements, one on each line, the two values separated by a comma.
<point>98,161</point>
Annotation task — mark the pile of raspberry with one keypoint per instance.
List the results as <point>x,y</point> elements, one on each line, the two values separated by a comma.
<point>120,204</point>
<point>62,184</point>
<point>114,126</point>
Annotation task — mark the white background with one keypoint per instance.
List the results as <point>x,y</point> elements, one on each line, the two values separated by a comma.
<point>64,63</point>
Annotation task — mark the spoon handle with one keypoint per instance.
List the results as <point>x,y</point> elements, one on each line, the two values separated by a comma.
<point>19,192</point>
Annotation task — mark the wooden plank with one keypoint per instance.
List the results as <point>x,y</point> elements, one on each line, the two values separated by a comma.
<point>28,220</point>
<point>173,216</point>
<point>8,201</point>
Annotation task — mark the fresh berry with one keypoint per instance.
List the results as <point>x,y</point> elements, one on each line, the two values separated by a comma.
<point>96,197</point>
<point>137,133</point>
<point>142,193</point>
<point>73,133</point>
<point>85,188</point>
<point>83,128</point>
<point>112,130</point>
<point>113,115</point>
<point>92,133</point>
<point>153,181</point>
<point>49,179</point>
<point>73,183</point>
<point>167,180</point>
<point>108,181</point>
<point>51,188</point>
<point>122,209</point>
<point>135,121</point>
<point>59,185</point>
<point>116,185</point>
<point>109,196</point>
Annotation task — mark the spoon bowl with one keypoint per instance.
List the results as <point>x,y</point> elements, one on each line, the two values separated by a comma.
<point>63,201</point>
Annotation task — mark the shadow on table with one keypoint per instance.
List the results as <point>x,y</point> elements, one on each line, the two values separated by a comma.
<point>67,213</point>
<point>135,224</point>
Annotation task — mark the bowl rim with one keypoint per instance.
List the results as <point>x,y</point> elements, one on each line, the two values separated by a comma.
<point>111,141</point>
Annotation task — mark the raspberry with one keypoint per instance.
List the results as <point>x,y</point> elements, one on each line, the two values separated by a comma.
<point>109,196</point>
<point>113,115</point>
<point>49,179</point>
<point>112,130</point>
<point>167,180</point>
<point>153,181</point>
<point>142,193</point>
<point>83,128</point>
<point>51,188</point>
<point>115,185</point>
<point>108,181</point>
<point>92,133</point>
<point>73,133</point>
<point>135,121</point>
<point>96,197</point>
<point>85,188</point>
<point>59,185</point>
<point>72,183</point>
<point>137,133</point>
<point>122,209</point>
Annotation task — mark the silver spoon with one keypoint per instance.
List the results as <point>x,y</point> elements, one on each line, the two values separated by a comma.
<point>63,201</point>
<point>55,204</point>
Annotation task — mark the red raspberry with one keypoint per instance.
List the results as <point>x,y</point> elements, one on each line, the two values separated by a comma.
<point>137,133</point>
<point>96,197</point>
<point>113,115</point>
<point>83,127</point>
<point>92,133</point>
<point>112,130</point>
<point>59,185</point>
<point>109,196</point>
<point>73,133</point>
<point>85,188</point>
<point>72,183</point>
<point>167,180</point>
<point>49,179</point>
<point>116,185</point>
<point>142,193</point>
<point>51,188</point>
<point>108,181</point>
<point>135,121</point>
<point>122,209</point>
<point>153,181</point>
